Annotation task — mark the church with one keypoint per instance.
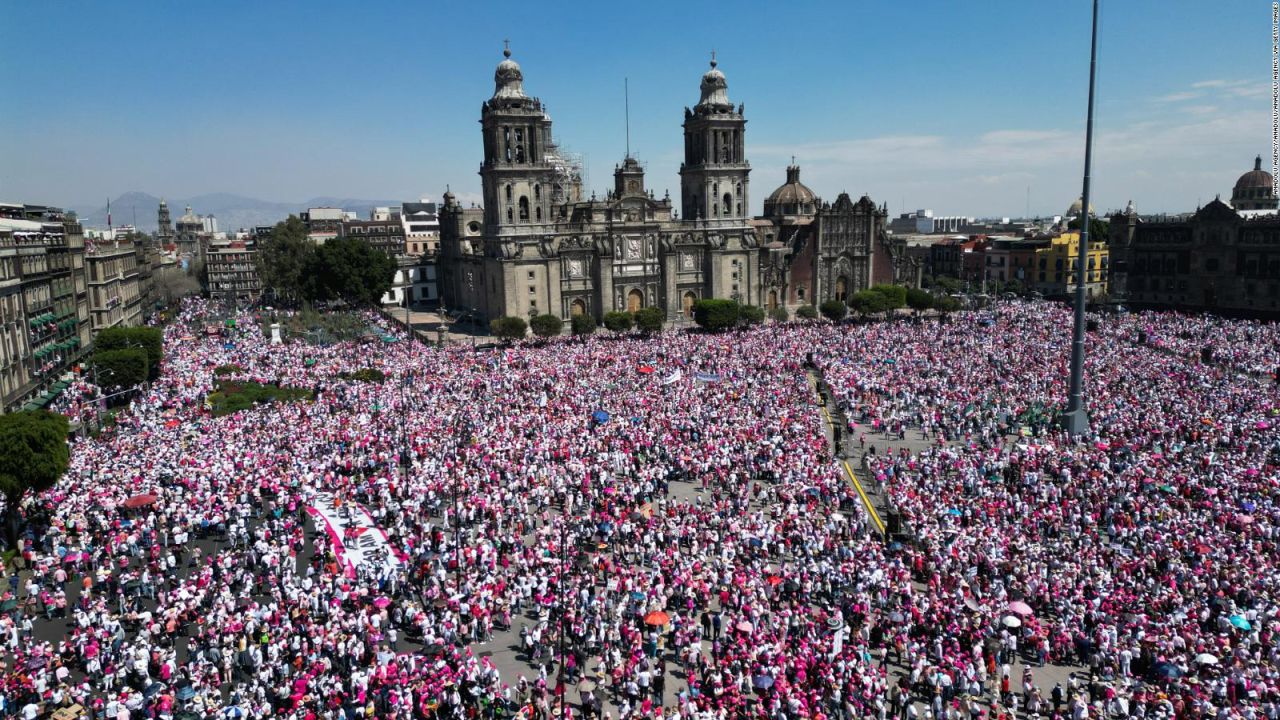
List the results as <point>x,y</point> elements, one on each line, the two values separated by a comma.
<point>538,246</point>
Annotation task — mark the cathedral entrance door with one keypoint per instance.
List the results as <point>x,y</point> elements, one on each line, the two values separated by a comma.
<point>635,300</point>
<point>689,299</point>
<point>842,289</point>
<point>773,299</point>
<point>577,307</point>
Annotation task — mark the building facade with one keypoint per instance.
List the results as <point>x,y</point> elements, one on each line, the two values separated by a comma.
<point>190,231</point>
<point>114,289</point>
<point>43,305</point>
<point>537,246</point>
<point>1223,258</point>
<point>230,273</point>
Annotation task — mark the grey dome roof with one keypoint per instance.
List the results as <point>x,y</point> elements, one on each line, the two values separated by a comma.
<point>792,191</point>
<point>715,89</point>
<point>508,80</point>
<point>1255,179</point>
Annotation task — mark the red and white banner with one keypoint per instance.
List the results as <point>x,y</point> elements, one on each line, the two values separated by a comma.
<point>357,540</point>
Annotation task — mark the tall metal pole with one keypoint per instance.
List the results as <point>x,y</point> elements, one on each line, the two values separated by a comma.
<point>1076,418</point>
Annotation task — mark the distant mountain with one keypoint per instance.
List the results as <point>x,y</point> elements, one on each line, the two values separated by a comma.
<point>232,211</point>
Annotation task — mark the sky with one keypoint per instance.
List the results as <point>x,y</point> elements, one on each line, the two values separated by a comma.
<point>967,108</point>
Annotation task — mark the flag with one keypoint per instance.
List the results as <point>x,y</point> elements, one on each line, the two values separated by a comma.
<point>673,377</point>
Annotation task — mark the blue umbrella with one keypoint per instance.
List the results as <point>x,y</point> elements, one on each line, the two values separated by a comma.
<point>1167,671</point>
<point>763,682</point>
<point>600,416</point>
<point>605,527</point>
<point>955,511</point>
<point>1241,622</point>
<point>1249,506</point>
<point>637,595</point>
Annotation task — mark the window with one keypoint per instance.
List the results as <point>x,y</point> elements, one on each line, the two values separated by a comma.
<point>537,192</point>
<point>508,188</point>
<point>1211,265</point>
<point>524,207</point>
<point>533,289</point>
<point>531,275</point>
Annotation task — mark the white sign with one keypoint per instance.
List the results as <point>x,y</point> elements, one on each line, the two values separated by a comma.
<point>357,540</point>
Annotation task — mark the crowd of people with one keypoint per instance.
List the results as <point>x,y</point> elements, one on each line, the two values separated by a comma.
<point>659,527</point>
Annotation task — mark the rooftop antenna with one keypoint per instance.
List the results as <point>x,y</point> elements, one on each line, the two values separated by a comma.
<point>626,103</point>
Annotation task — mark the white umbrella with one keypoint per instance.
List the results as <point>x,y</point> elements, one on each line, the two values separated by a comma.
<point>1012,622</point>
<point>1206,659</point>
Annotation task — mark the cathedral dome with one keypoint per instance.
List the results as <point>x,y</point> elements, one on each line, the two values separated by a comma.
<point>715,89</point>
<point>1074,210</point>
<point>508,80</point>
<point>791,198</point>
<point>1255,179</point>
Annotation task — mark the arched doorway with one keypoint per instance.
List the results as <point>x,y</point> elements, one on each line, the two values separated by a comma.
<point>689,299</point>
<point>842,288</point>
<point>577,307</point>
<point>773,299</point>
<point>635,300</point>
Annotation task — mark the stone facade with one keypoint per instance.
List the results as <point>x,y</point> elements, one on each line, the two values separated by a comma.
<point>537,246</point>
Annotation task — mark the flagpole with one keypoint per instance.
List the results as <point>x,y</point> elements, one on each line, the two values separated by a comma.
<point>1076,418</point>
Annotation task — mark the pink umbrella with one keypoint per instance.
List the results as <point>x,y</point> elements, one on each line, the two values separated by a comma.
<point>382,602</point>
<point>744,626</point>
<point>1018,607</point>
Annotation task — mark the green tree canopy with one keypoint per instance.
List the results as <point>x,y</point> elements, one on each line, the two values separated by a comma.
<point>120,369</point>
<point>618,321</point>
<point>508,328</point>
<point>868,302</point>
<point>946,304</point>
<point>33,455</point>
<point>148,339</point>
<point>352,270</point>
<point>649,319</point>
<point>778,314</point>
<point>833,310</point>
<point>895,296</point>
<point>751,314</point>
<point>1099,229</point>
<point>583,324</point>
<point>715,314</point>
<point>918,299</point>
<point>807,312</point>
<point>546,325</point>
<point>283,260</point>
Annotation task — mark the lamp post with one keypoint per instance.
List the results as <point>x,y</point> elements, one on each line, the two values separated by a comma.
<point>1076,417</point>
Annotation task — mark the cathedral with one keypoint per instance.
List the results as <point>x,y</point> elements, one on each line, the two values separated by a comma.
<point>538,246</point>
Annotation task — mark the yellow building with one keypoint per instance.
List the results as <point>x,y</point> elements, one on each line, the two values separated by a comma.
<point>1055,266</point>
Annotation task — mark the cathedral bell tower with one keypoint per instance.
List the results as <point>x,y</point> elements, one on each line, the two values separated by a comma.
<point>516,175</point>
<point>713,177</point>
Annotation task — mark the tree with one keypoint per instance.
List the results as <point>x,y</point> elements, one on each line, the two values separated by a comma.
<point>582,325</point>
<point>649,320</point>
<point>750,315</point>
<point>833,310</point>
<point>778,314</point>
<point>118,369</point>
<point>895,296</point>
<point>868,302</point>
<point>715,314</point>
<point>351,270</point>
<point>1099,229</point>
<point>946,304</point>
<point>148,339</point>
<point>546,325</point>
<point>508,328</point>
<point>618,321</point>
<point>33,455</point>
<point>919,300</point>
<point>807,312</point>
<point>283,260</point>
